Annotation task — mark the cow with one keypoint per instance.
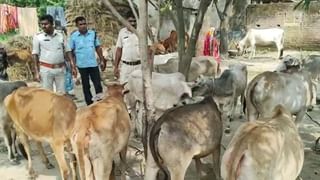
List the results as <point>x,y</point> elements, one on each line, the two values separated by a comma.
<point>167,90</point>
<point>184,133</point>
<point>264,149</point>
<point>101,131</point>
<point>171,42</point>
<point>43,116</point>
<point>158,48</point>
<point>262,37</point>
<point>312,65</point>
<point>293,90</point>
<point>6,124</point>
<point>3,64</point>
<point>225,90</point>
<point>201,65</point>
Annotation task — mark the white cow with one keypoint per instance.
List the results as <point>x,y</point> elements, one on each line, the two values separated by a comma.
<point>265,149</point>
<point>167,91</point>
<point>262,37</point>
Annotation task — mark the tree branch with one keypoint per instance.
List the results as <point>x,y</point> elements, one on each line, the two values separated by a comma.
<point>133,9</point>
<point>220,14</point>
<point>118,15</point>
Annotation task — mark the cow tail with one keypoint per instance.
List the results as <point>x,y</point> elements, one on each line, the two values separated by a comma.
<point>249,102</point>
<point>154,149</point>
<point>238,156</point>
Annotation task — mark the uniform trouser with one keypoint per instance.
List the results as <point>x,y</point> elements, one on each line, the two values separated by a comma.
<point>51,76</point>
<point>87,74</point>
<point>126,70</point>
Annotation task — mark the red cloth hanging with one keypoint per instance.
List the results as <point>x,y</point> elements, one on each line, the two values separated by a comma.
<point>206,47</point>
<point>211,47</point>
<point>8,18</point>
<point>216,53</point>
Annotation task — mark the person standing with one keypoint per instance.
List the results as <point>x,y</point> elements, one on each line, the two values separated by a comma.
<point>84,43</point>
<point>49,50</point>
<point>127,58</point>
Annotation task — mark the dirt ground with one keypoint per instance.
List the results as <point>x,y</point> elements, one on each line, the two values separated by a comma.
<point>309,131</point>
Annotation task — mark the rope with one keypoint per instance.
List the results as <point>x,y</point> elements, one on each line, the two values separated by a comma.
<point>316,122</point>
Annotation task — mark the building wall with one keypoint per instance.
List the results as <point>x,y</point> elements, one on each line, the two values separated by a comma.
<point>301,27</point>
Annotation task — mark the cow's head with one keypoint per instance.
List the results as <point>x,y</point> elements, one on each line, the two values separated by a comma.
<point>115,89</point>
<point>203,86</point>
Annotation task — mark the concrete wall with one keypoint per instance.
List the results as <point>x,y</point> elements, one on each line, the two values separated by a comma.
<point>301,27</point>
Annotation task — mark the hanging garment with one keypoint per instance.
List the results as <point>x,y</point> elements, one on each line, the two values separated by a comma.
<point>8,18</point>
<point>28,21</point>
<point>57,13</point>
<point>215,49</point>
<point>207,44</point>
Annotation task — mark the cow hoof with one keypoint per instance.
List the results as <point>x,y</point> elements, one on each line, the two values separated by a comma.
<point>227,131</point>
<point>310,108</point>
<point>32,175</point>
<point>14,162</point>
<point>49,166</point>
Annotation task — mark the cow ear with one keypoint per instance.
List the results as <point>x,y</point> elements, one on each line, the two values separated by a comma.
<point>126,91</point>
<point>124,84</point>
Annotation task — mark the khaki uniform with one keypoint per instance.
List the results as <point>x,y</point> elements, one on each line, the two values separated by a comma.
<point>129,43</point>
<point>50,49</point>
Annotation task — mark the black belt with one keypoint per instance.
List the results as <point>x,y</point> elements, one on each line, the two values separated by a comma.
<point>132,63</point>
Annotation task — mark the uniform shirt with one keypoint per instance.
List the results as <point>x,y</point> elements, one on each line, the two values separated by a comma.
<point>50,48</point>
<point>129,43</point>
<point>84,47</point>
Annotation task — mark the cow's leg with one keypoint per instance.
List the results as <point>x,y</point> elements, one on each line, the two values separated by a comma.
<point>9,143</point>
<point>123,163</point>
<point>198,167</point>
<point>242,99</point>
<point>216,162</point>
<point>280,49</point>
<point>300,116</point>
<point>25,142</point>
<point>107,166</point>
<point>72,159</point>
<point>178,168</point>
<point>44,157</point>
<point>151,167</point>
<point>58,149</point>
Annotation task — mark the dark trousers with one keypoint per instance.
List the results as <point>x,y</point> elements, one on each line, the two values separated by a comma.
<point>87,74</point>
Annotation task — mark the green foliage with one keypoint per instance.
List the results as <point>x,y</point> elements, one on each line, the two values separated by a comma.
<point>41,5</point>
<point>305,4</point>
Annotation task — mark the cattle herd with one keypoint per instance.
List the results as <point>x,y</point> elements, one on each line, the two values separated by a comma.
<point>192,117</point>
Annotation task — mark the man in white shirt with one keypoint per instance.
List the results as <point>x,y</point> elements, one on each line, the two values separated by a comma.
<point>127,58</point>
<point>49,48</point>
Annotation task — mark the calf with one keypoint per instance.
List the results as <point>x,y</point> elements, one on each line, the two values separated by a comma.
<point>262,37</point>
<point>226,89</point>
<point>294,91</point>
<point>6,124</point>
<point>171,42</point>
<point>167,90</point>
<point>266,149</point>
<point>184,133</point>
<point>101,131</point>
<point>43,116</point>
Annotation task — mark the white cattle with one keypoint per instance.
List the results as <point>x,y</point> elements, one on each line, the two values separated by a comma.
<point>167,91</point>
<point>262,37</point>
<point>265,149</point>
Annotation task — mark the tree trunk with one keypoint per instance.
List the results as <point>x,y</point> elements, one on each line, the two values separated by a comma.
<point>146,72</point>
<point>186,57</point>
<point>224,25</point>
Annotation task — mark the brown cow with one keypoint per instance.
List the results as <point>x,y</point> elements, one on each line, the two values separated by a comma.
<point>266,149</point>
<point>101,131</point>
<point>43,116</point>
<point>171,42</point>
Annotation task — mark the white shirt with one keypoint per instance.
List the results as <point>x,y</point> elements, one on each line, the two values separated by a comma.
<point>129,43</point>
<point>50,48</point>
